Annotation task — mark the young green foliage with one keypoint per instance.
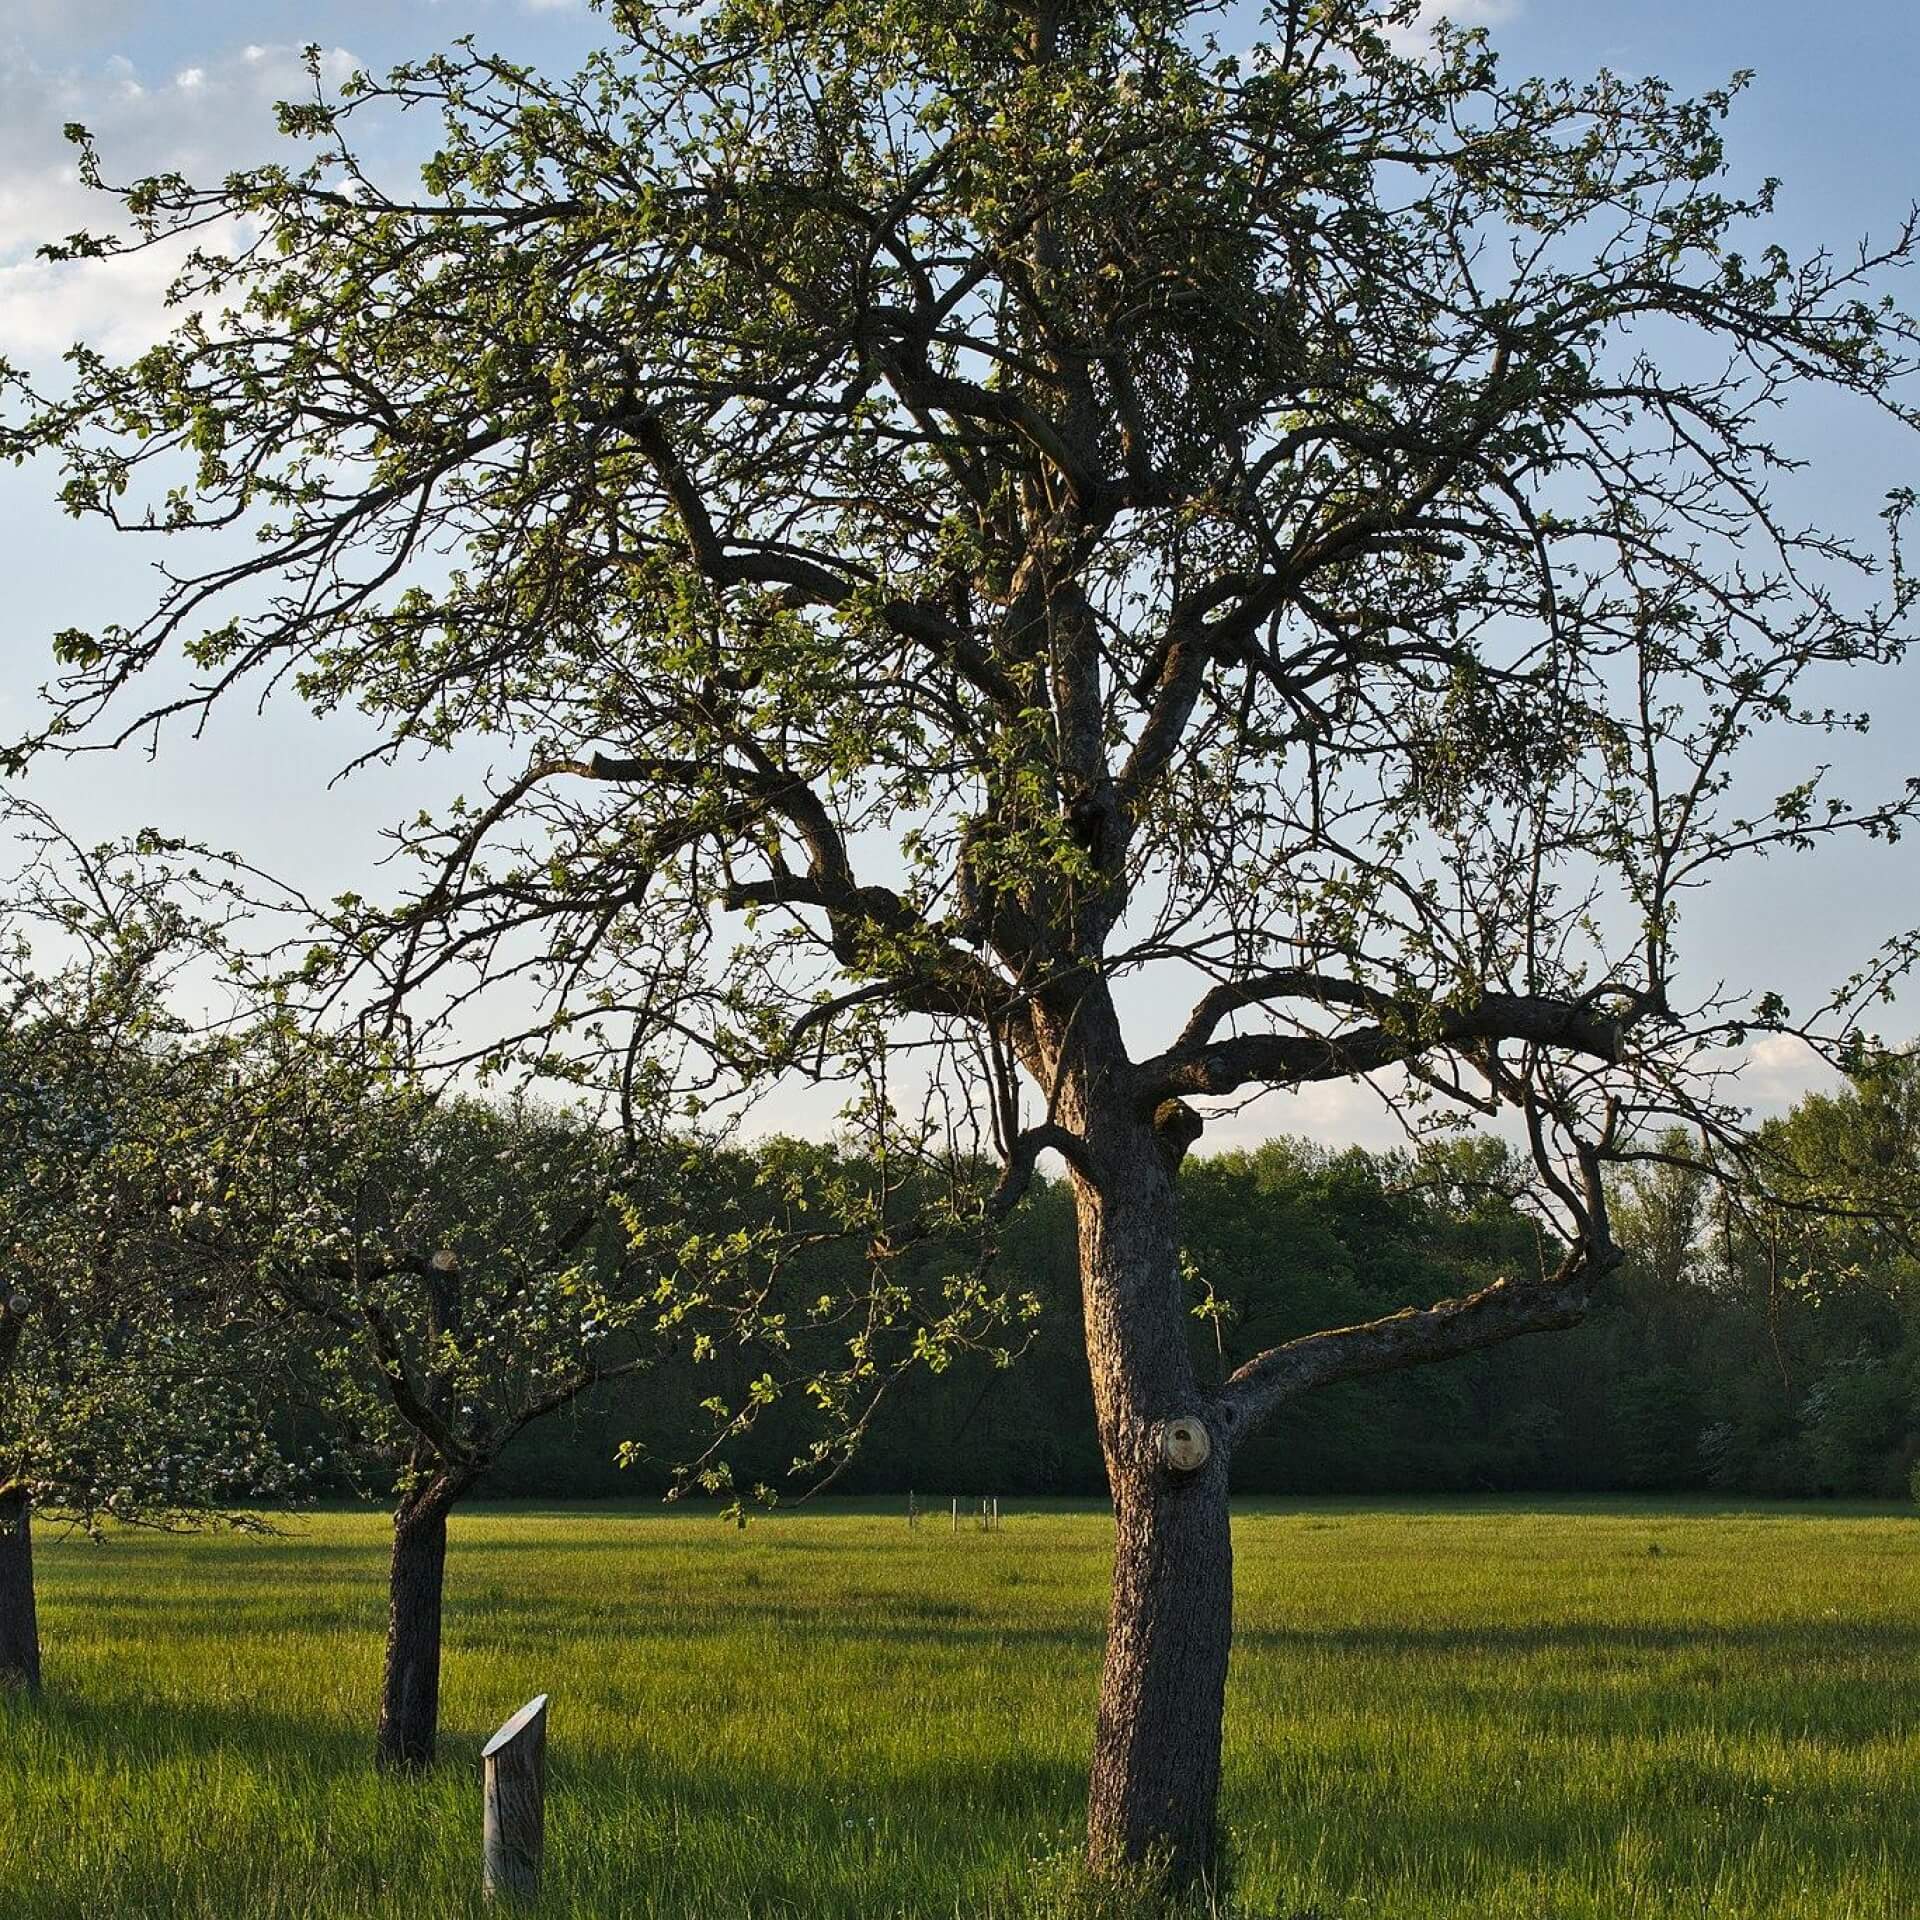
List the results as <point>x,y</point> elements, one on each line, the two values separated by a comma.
<point>134,1386</point>
<point>131,1380</point>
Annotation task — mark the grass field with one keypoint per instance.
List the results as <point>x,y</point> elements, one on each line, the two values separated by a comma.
<point>1504,1711</point>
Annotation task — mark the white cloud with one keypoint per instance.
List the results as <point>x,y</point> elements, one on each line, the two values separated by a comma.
<point>205,119</point>
<point>69,22</point>
<point>1776,1070</point>
<point>1462,13</point>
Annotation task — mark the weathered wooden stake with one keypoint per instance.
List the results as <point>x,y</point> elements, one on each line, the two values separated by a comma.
<point>515,1765</point>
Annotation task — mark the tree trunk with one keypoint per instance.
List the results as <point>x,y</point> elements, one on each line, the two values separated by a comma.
<point>410,1694</point>
<point>19,1621</point>
<point>1156,1761</point>
<point>1156,1756</point>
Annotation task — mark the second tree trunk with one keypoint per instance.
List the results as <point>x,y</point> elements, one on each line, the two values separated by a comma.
<point>19,1621</point>
<point>410,1696</point>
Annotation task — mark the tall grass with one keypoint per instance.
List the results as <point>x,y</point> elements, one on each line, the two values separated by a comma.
<point>1503,1711</point>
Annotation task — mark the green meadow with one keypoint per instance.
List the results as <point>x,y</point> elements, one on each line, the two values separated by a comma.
<point>1510,1711</point>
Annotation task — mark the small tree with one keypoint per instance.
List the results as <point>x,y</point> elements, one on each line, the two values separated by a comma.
<point>960,513</point>
<point>132,1387</point>
<point>459,1270</point>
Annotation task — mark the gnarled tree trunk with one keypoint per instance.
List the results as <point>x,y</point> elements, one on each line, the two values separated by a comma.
<point>1156,1762</point>
<point>19,1620</point>
<point>410,1692</point>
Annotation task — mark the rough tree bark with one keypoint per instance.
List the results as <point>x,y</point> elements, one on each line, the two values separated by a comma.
<point>1169,1443</point>
<point>1156,1763</point>
<point>410,1690</point>
<point>19,1622</point>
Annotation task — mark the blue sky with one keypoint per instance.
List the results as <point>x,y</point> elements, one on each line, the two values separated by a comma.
<point>192,82</point>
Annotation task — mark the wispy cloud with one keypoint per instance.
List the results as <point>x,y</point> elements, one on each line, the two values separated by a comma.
<point>1461,13</point>
<point>204,118</point>
<point>67,23</point>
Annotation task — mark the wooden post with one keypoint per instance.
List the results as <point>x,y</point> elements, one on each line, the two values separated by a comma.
<point>956,1513</point>
<point>515,1766</point>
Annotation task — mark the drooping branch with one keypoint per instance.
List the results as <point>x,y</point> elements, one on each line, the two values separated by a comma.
<point>1420,1336</point>
<point>1023,1156</point>
<point>1417,1336</point>
<point>941,978</point>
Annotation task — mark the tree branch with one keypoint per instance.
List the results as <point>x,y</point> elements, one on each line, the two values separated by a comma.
<point>1196,1066</point>
<point>1419,1336</point>
<point>1415,1337</point>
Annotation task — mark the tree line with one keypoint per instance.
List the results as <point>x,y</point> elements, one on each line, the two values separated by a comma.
<point>1738,1351</point>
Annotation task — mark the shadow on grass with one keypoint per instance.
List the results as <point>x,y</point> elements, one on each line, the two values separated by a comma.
<point>947,1786</point>
<point>490,1613</point>
<point>125,1735</point>
<point>619,1812</point>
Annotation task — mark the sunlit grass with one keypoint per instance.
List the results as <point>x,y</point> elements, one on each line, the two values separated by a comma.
<point>1509,1712</point>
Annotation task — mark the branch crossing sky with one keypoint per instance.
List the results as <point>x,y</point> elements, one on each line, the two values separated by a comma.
<point>192,83</point>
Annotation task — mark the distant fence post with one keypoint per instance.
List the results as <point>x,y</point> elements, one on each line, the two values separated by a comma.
<point>956,1513</point>
<point>515,1797</point>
